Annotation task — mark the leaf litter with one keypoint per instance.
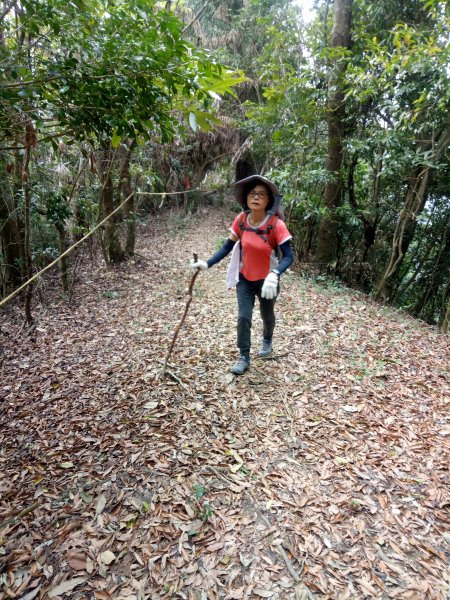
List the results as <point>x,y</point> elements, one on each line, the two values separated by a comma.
<point>321,473</point>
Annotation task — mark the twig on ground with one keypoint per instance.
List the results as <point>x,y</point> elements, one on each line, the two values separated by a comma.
<point>266,522</point>
<point>175,378</point>
<point>224,474</point>
<point>22,513</point>
<point>31,328</point>
<point>162,362</point>
<point>266,534</point>
<point>289,566</point>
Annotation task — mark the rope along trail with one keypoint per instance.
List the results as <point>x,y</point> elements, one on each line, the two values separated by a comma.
<point>84,238</point>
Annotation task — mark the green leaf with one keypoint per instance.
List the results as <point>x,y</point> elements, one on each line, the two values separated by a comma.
<point>199,491</point>
<point>193,121</point>
<point>115,140</point>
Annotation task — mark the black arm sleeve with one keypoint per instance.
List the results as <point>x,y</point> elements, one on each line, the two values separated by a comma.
<point>287,259</point>
<point>220,254</point>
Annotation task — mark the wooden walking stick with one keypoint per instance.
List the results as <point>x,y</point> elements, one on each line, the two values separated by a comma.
<point>180,324</point>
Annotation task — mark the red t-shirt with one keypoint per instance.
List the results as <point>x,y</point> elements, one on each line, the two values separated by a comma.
<point>257,255</point>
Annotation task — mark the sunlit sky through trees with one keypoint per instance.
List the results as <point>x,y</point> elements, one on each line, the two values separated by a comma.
<point>307,7</point>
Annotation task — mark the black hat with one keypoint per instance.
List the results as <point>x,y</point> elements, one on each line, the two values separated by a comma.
<point>241,188</point>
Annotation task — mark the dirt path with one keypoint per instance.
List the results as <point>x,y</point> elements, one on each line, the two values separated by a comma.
<point>321,473</point>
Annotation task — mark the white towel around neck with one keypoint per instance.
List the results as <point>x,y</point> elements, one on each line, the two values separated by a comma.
<point>234,266</point>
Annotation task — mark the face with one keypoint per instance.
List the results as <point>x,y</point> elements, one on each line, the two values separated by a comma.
<point>258,197</point>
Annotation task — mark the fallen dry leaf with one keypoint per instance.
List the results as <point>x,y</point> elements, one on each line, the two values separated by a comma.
<point>76,561</point>
<point>338,442</point>
<point>107,557</point>
<point>66,586</point>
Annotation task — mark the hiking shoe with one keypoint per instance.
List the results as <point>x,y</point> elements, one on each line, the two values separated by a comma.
<point>265,349</point>
<point>241,365</point>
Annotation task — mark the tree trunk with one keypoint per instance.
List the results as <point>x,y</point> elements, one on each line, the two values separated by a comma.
<point>435,279</point>
<point>446,321</point>
<point>306,239</point>
<point>125,190</point>
<point>12,225</point>
<point>406,225</point>
<point>11,241</point>
<point>244,168</point>
<point>74,203</point>
<point>370,224</point>
<point>130,212</point>
<point>64,262</point>
<point>27,228</point>
<point>113,247</point>
<point>327,238</point>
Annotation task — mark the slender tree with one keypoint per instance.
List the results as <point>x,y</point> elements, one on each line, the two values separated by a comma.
<point>327,237</point>
<point>415,199</point>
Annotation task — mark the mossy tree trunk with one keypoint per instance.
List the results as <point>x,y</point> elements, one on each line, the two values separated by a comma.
<point>111,244</point>
<point>124,191</point>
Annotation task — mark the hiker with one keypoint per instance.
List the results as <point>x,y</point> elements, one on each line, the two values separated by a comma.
<point>254,268</point>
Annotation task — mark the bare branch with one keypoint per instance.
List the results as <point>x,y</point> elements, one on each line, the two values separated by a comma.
<point>197,16</point>
<point>7,9</point>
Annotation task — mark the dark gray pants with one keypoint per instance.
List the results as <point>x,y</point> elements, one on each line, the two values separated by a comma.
<point>247,291</point>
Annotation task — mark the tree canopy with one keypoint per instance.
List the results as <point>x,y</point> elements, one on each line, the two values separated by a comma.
<point>108,70</point>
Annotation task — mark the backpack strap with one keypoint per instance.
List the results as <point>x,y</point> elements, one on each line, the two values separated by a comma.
<point>270,228</point>
<point>242,228</point>
<point>263,233</point>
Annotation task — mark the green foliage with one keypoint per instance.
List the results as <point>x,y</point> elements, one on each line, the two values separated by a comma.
<point>206,512</point>
<point>86,208</point>
<point>94,78</point>
<point>57,208</point>
<point>199,492</point>
<point>423,283</point>
<point>397,95</point>
<point>96,72</point>
<point>111,294</point>
<point>84,74</point>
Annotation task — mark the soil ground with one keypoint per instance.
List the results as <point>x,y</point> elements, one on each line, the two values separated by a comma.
<point>323,472</point>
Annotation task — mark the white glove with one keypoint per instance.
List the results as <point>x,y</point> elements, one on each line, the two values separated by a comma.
<point>270,286</point>
<point>199,265</point>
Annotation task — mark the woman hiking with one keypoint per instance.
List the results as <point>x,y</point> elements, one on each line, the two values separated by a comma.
<point>255,236</point>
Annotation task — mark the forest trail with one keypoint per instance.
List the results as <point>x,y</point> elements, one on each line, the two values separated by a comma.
<point>321,473</point>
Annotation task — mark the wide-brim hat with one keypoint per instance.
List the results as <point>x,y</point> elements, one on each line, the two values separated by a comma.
<point>241,187</point>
